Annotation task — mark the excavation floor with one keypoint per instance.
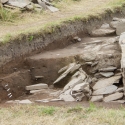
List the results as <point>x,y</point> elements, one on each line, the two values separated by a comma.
<point>87,43</point>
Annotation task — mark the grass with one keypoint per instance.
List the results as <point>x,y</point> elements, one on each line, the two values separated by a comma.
<point>45,115</point>
<point>34,24</point>
<point>7,15</point>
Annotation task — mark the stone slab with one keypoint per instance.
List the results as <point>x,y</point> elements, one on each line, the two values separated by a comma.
<point>108,69</point>
<point>107,74</point>
<point>102,32</point>
<point>37,86</point>
<point>113,97</point>
<point>106,82</point>
<point>26,101</point>
<point>67,98</point>
<point>106,90</point>
<point>79,87</point>
<point>71,68</point>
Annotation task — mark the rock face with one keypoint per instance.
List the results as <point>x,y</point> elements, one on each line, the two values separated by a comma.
<point>37,86</point>
<point>106,82</point>
<point>113,97</point>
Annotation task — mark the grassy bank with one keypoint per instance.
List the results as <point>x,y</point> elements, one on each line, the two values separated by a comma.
<point>40,115</point>
<point>70,10</point>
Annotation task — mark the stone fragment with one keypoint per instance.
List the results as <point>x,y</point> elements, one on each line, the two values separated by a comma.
<point>107,74</point>
<point>77,78</point>
<point>79,98</point>
<point>114,24</point>
<point>106,82</point>
<point>113,97</point>
<point>42,4</point>
<point>73,82</point>
<point>38,91</point>
<point>26,101</point>
<point>29,7</point>
<point>55,100</point>
<point>121,89</point>
<point>63,69</point>
<point>88,57</point>
<point>108,69</point>
<point>106,90</point>
<point>37,86</point>
<point>102,32</point>
<point>67,98</point>
<point>88,63</point>
<point>76,94</point>
<point>79,87</point>
<point>39,77</point>
<point>35,91</point>
<point>19,3</point>
<point>77,39</point>
<point>105,26</point>
<point>71,68</point>
<point>96,98</point>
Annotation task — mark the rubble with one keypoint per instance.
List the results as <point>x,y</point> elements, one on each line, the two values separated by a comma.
<point>104,81</point>
<point>104,30</point>
<point>29,5</point>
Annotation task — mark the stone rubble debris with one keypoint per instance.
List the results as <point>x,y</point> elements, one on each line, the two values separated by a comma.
<point>107,82</point>
<point>104,30</point>
<point>37,6</point>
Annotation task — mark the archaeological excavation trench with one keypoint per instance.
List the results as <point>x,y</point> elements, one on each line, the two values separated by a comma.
<point>83,66</point>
